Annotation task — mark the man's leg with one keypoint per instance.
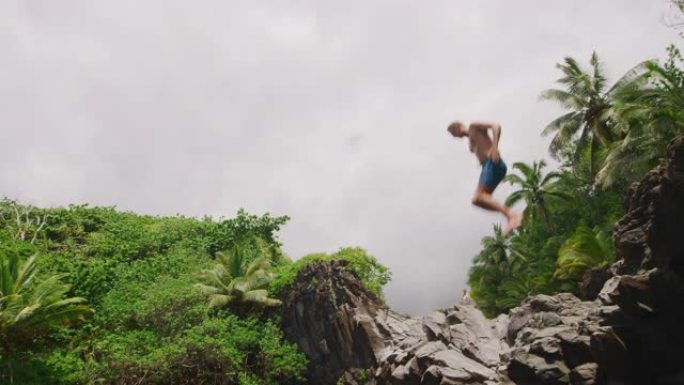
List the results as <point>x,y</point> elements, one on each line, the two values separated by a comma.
<point>483,198</point>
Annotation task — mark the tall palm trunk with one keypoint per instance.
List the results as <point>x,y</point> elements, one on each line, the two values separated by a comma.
<point>546,215</point>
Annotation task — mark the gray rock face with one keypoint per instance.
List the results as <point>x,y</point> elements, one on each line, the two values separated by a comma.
<point>348,333</point>
<point>336,322</point>
<point>593,280</point>
<point>450,346</point>
<point>643,341</point>
<point>550,336</point>
<point>631,334</point>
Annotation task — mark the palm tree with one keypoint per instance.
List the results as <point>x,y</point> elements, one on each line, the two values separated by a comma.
<point>586,248</point>
<point>588,126</point>
<point>651,107</point>
<point>535,187</point>
<point>241,277</point>
<point>515,289</point>
<point>498,252</point>
<point>499,259</point>
<point>29,307</point>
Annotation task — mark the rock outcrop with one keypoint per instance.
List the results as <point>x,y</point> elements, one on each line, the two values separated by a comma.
<point>630,332</point>
<point>646,331</point>
<point>346,332</point>
<point>450,346</point>
<point>336,322</point>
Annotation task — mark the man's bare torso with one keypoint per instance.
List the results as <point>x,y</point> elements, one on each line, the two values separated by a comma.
<point>480,143</point>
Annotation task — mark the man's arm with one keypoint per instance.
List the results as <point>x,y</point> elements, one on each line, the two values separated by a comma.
<point>496,134</point>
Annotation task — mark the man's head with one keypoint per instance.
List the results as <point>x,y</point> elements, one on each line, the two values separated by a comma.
<point>458,129</point>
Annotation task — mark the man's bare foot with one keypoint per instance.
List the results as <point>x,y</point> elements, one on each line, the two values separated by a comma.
<point>514,222</point>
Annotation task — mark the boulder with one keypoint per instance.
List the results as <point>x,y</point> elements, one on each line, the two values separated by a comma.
<point>593,280</point>
<point>585,374</point>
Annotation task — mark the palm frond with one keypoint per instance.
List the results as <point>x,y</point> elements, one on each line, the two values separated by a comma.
<point>206,289</point>
<point>261,297</point>
<point>219,300</point>
<point>514,198</point>
<point>635,77</point>
<point>25,275</point>
<point>598,79</point>
<point>567,123</point>
<point>245,268</point>
<point>564,98</point>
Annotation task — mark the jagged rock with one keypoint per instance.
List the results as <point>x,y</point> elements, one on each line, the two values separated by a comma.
<point>484,344</point>
<point>645,336</point>
<point>609,291</point>
<point>584,374</point>
<point>425,353</point>
<point>593,280</point>
<point>541,311</point>
<point>399,374</point>
<point>526,368</point>
<point>436,327</point>
<point>462,367</point>
<point>335,321</point>
<point>432,376</point>
<point>547,347</point>
<point>413,370</point>
<point>576,349</point>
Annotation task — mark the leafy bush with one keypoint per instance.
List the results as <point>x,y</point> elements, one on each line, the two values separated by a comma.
<point>585,249</point>
<point>220,350</point>
<point>31,306</point>
<point>151,326</point>
<point>372,274</point>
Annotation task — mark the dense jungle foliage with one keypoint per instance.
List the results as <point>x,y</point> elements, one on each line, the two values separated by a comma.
<point>99,296</point>
<point>608,138</point>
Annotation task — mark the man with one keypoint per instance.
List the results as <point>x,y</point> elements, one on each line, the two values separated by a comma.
<point>465,298</point>
<point>486,150</point>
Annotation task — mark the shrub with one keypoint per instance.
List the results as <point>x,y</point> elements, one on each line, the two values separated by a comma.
<point>373,275</point>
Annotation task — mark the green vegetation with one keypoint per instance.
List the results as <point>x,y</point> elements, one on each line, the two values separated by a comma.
<point>535,189</point>
<point>372,274</point>
<point>241,276</point>
<point>155,289</point>
<point>606,140</point>
<point>30,307</point>
<point>586,248</point>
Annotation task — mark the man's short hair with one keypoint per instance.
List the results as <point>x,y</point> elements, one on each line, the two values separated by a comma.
<point>456,124</point>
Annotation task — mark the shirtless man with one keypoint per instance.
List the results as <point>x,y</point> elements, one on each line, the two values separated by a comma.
<point>486,150</point>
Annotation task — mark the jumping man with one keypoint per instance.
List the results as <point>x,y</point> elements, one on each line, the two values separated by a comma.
<point>486,150</point>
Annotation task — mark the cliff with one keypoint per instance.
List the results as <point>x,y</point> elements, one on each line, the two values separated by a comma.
<point>630,334</point>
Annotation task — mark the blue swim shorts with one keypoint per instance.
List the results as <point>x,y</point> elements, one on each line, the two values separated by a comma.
<point>492,173</point>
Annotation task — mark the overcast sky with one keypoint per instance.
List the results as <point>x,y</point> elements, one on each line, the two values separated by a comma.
<point>333,113</point>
